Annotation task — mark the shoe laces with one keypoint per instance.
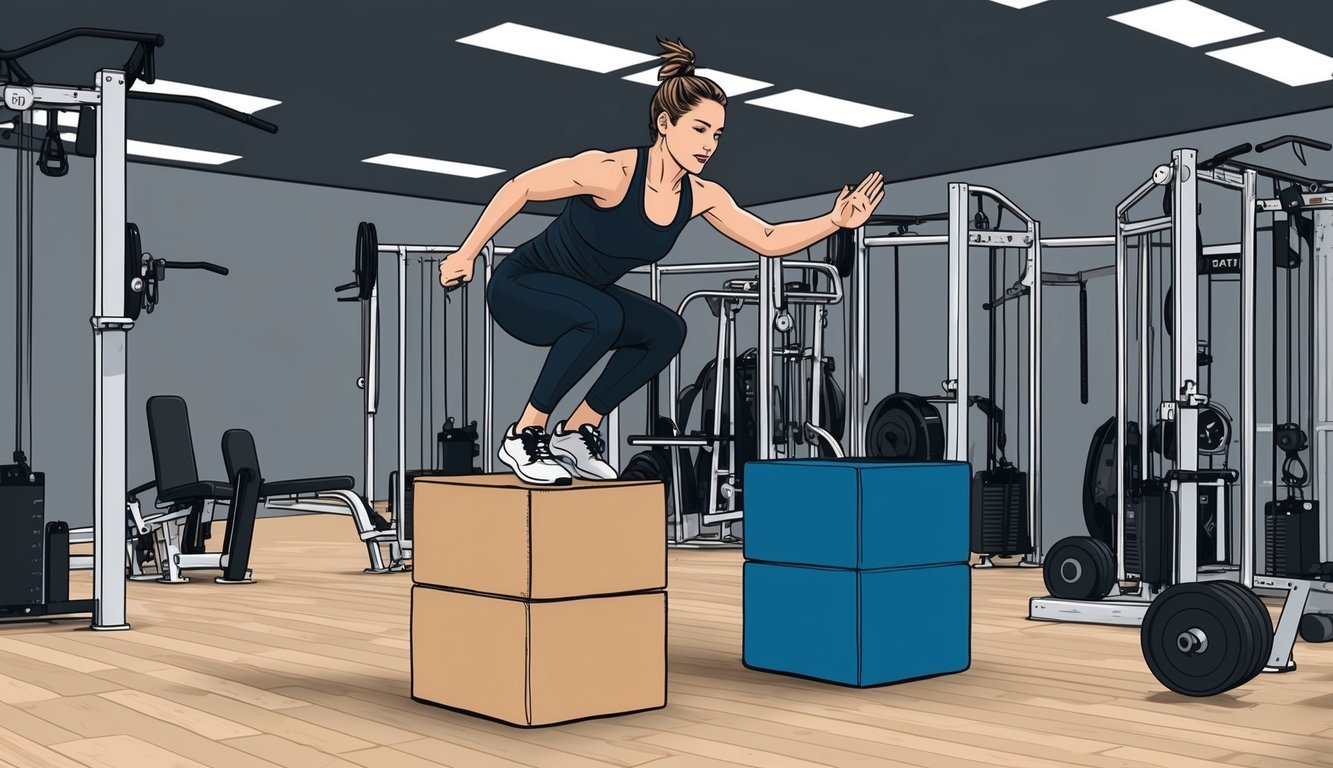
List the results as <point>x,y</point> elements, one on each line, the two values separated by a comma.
<point>592,439</point>
<point>537,444</point>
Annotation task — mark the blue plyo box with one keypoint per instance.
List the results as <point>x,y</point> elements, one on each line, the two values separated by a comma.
<point>858,513</point>
<point>858,628</point>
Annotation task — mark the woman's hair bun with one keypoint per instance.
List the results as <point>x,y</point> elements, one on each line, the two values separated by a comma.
<point>679,60</point>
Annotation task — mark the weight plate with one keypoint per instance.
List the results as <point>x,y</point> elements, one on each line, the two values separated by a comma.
<point>653,465</point>
<point>905,427</point>
<point>1197,639</point>
<point>1079,568</point>
<point>367,259</point>
<point>1099,483</point>
<point>1259,620</point>
<point>1214,434</point>
<point>842,251</point>
<point>133,271</point>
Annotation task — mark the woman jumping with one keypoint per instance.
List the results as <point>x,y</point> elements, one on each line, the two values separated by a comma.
<point>625,209</point>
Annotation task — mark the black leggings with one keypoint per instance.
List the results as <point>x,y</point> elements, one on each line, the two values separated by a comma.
<point>581,323</point>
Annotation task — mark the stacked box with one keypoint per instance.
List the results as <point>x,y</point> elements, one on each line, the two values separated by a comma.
<point>538,605</point>
<point>857,570</point>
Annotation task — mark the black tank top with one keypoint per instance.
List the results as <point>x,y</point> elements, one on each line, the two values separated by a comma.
<point>601,245</point>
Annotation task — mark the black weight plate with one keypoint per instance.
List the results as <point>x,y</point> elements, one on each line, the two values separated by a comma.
<point>1214,430</point>
<point>905,427</point>
<point>1079,568</point>
<point>133,269</point>
<point>833,405</point>
<point>1260,622</point>
<point>1316,628</point>
<point>653,465</point>
<point>1251,634</point>
<point>842,251</point>
<point>1218,647</point>
<point>1110,566</point>
<point>1099,482</point>
<point>367,259</point>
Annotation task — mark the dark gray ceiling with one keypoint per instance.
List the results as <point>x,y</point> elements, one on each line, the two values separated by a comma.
<point>986,83</point>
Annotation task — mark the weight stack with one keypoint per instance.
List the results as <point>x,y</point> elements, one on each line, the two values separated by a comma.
<point>1291,541</point>
<point>1156,527</point>
<point>539,605</point>
<point>1000,512</point>
<point>22,541</point>
<point>842,555</point>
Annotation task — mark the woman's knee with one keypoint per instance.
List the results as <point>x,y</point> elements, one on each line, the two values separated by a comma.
<point>674,331</point>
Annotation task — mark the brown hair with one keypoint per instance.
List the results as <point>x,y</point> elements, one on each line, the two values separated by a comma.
<point>680,90</point>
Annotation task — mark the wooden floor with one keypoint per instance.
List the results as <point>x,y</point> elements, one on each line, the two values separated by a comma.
<point>309,667</point>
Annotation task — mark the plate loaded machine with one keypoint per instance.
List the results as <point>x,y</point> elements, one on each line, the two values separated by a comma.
<point>1293,561</point>
<point>908,426</point>
<point>119,287</point>
<point>455,447</point>
<point>1203,630</point>
<point>749,409</point>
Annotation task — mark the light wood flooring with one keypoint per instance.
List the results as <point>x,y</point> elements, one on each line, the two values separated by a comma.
<point>309,667</point>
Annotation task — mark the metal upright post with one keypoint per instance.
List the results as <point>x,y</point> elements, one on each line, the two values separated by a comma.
<point>1185,353</point>
<point>110,332</point>
<point>1034,400</point>
<point>488,386</point>
<point>770,285</point>
<point>957,383</point>
<point>400,484</point>
<point>1321,274</point>
<point>370,384</point>
<point>1251,514</point>
<point>858,373</point>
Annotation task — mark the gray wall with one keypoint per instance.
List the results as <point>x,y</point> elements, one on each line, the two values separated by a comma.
<point>1070,195</point>
<point>270,350</point>
<point>266,348</point>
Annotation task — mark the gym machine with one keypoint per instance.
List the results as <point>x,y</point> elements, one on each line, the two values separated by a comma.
<point>704,497</point>
<point>455,446</point>
<point>909,426</point>
<point>1203,628</point>
<point>101,135</point>
<point>1133,551</point>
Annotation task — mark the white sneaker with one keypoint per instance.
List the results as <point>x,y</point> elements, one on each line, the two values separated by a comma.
<point>529,454</point>
<point>582,452</point>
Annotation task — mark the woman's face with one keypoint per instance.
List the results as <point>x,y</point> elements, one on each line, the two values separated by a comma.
<point>695,136</point>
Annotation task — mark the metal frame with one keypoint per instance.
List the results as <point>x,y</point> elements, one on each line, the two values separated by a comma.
<point>400,545</point>
<point>110,329</point>
<point>961,238</point>
<point>769,294</point>
<point>1300,595</point>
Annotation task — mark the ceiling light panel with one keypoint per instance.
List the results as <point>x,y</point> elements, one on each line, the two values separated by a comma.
<point>433,165</point>
<point>1280,59</point>
<point>556,48</point>
<point>819,106</point>
<point>1018,3</point>
<point>179,154</point>
<point>732,85</point>
<point>1187,23</point>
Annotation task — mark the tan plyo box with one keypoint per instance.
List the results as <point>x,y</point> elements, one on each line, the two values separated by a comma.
<point>496,535</point>
<point>533,663</point>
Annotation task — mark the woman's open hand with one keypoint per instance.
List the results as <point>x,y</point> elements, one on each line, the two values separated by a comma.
<point>854,206</point>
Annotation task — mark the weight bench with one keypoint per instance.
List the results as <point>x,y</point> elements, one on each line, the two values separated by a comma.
<point>330,495</point>
<point>173,539</point>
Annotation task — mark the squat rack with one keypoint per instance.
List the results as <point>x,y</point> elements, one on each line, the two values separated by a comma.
<point>102,109</point>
